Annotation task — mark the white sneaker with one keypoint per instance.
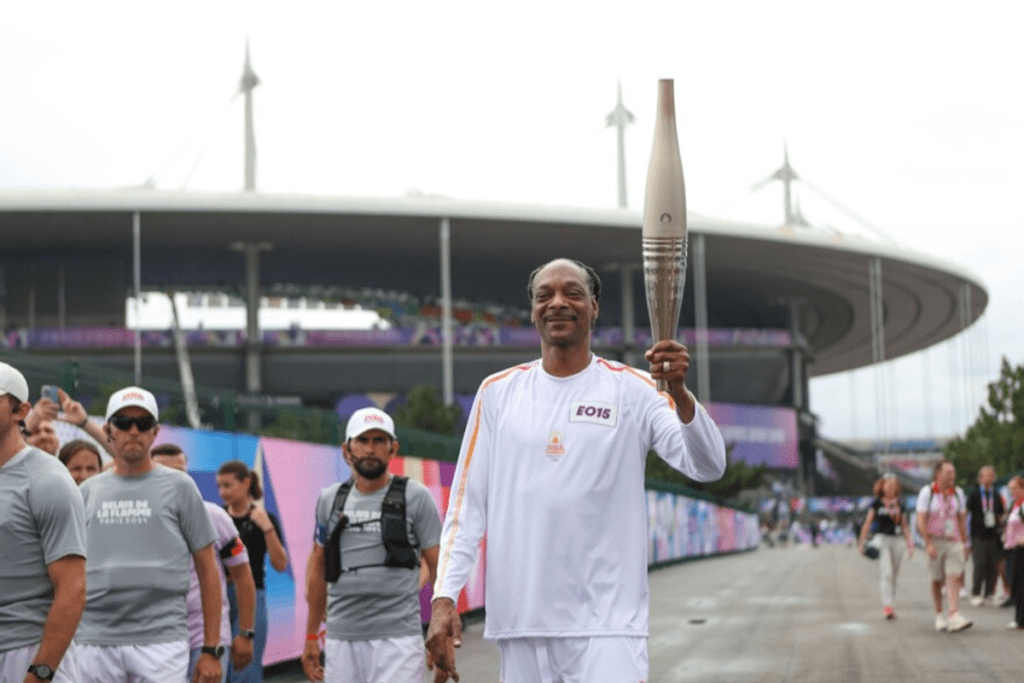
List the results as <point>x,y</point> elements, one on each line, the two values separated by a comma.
<point>1012,625</point>
<point>940,623</point>
<point>957,623</point>
<point>976,600</point>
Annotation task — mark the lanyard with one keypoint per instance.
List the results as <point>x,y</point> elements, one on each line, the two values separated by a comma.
<point>986,500</point>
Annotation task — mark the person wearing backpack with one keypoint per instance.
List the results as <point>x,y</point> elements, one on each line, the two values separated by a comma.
<point>1013,540</point>
<point>942,523</point>
<point>364,570</point>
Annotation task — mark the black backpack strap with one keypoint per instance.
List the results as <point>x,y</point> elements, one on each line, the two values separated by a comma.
<point>394,528</point>
<point>336,523</point>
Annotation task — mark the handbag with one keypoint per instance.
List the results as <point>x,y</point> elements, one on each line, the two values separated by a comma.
<point>871,548</point>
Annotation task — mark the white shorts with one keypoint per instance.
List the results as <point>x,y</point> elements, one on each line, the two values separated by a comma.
<point>388,660</point>
<point>154,663</point>
<point>595,659</point>
<point>14,665</point>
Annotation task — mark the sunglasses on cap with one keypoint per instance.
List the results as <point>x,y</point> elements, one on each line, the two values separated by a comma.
<point>124,423</point>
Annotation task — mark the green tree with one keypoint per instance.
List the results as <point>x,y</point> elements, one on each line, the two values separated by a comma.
<point>317,426</point>
<point>997,436</point>
<point>738,476</point>
<point>424,409</point>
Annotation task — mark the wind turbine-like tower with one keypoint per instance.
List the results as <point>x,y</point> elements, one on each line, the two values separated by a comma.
<point>249,81</point>
<point>620,117</point>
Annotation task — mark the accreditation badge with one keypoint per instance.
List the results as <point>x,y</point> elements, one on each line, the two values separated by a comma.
<point>950,528</point>
<point>990,519</point>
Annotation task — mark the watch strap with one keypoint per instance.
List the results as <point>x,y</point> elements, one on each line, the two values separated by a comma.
<point>217,651</point>
<point>41,671</point>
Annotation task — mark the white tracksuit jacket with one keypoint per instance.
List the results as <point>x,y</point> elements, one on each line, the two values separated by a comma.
<point>552,471</point>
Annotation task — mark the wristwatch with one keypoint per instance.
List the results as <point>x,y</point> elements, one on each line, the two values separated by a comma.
<point>217,651</point>
<point>247,633</point>
<point>41,671</point>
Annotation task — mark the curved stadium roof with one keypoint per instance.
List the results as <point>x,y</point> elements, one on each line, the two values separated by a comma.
<point>753,271</point>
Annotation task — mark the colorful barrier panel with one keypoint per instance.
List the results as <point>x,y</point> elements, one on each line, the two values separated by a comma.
<point>679,527</point>
<point>293,473</point>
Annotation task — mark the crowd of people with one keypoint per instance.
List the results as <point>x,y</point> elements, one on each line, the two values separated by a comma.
<point>128,575</point>
<point>986,526</point>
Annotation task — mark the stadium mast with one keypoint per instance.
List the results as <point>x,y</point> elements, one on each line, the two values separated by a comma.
<point>249,81</point>
<point>620,117</point>
<point>786,175</point>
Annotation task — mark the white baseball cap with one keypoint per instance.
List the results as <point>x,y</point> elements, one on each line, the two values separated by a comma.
<point>13,382</point>
<point>132,396</point>
<point>365,419</point>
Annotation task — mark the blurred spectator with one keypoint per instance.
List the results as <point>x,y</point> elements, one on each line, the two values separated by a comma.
<point>235,560</point>
<point>82,459</point>
<point>986,514</point>
<point>891,534</point>
<point>44,437</point>
<point>1014,541</point>
<point>942,523</point>
<point>260,531</point>
<point>39,422</point>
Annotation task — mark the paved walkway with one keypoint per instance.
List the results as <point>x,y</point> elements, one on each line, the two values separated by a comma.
<point>798,615</point>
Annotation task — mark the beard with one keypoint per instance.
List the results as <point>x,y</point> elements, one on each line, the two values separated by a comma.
<point>371,468</point>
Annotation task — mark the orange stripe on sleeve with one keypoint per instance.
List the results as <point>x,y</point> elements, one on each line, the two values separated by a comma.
<point>463,480</point>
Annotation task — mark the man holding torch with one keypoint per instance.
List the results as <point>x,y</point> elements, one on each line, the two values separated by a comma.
<point>552,471</point>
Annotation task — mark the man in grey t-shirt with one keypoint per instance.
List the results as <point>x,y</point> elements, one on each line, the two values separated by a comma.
<point>42,551</point>
<point>143,522</point>
<point>374,631</point>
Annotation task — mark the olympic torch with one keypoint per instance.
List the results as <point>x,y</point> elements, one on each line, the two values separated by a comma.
<point>664,232</point>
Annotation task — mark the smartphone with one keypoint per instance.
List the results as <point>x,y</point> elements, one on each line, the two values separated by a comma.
<point>50,391</point>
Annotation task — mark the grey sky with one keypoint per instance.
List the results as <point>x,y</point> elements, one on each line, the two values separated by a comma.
<point>909,113</point>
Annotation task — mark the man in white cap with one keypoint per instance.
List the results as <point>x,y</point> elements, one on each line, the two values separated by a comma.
<point>143,522</point>
<point>42,551</point>
<point>364,570</point>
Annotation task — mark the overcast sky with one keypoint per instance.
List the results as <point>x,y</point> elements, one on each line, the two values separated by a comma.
<point>911,114</point>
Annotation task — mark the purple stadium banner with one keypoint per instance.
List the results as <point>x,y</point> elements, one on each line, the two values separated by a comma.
<point>427,334</point>
<point>761,435</point>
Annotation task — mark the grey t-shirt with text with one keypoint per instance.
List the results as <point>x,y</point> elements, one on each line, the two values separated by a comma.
<point>41,521</point>
<point>141,531</point>
<point>376,602</point>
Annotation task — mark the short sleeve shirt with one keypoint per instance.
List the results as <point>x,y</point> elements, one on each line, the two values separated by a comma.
<point>376,602</point>
<point>141,532</point>
<point>42,520</point>
<point>231,552</point>
<point>944,508</point>
<point>890,517</point>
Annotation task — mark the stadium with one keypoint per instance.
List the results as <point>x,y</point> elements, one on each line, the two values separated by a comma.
<point>765,307</point>
<point>779,304</point>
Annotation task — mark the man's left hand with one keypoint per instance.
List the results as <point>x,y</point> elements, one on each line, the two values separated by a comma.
<point>208,670</point>
<point>241,652</point>
<point>670,361</point>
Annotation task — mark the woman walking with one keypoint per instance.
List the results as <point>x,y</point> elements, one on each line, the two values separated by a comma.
<point>892,536</point>
<point>260,531</point>
<point>1013,540</point>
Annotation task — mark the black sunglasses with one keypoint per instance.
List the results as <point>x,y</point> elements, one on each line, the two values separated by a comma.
<point>124,423</point>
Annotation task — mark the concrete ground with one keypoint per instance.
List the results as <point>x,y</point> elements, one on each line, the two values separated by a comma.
<point>797,615</point>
